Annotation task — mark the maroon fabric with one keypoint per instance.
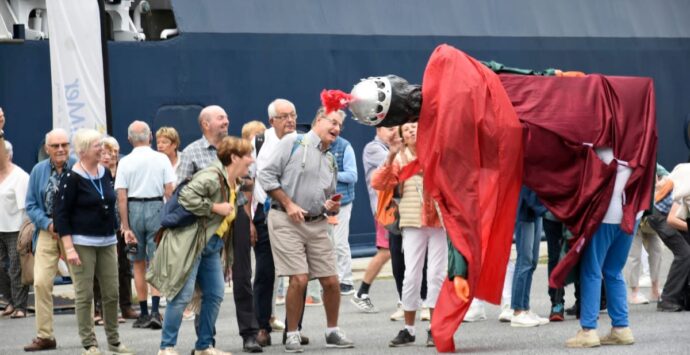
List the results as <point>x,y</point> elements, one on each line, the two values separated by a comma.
<point>561,115</point>
<point>470,149</point>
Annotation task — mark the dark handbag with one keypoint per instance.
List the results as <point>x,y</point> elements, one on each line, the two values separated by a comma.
<point>173,215</point>
<point>394,226</point>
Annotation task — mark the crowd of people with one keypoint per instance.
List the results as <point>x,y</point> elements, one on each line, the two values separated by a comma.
<point>287,196</point>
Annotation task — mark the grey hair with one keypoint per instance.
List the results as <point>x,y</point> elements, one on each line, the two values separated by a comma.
<point>8,146</point>
<point>141,136</point>
<point>322,112</point>
<point>54,131</point>
<point>342,114</point>
<point>111,141</point>
<point>272,107</point>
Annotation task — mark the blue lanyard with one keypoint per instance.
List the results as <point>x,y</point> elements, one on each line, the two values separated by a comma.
<point>98,188</point>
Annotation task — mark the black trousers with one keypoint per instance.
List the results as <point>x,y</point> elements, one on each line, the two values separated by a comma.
<point>398,265</point>
<point>678,280</point>
<point>265,271</point>
<point>554,242</point>
<point>242,276</point>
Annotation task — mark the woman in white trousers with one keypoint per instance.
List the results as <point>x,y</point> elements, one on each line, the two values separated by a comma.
<point>421,230</point>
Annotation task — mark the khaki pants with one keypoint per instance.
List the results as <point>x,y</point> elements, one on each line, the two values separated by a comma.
<point>648,238</point>
<point>48,252</point>
<point>300,248</point>
<point>102,263</point>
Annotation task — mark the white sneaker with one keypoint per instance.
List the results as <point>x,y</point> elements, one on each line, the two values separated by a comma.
<point>425,314</point>
<point>506,314</point>
<point>168,351</point>
<point>121,349</point>
<point>541,320</point>
<point>638,298</point>
<point>399,314</point>
<point>211,351</point>
<point>92,350</point>
<point>293,344</point>
<point>363,304</point>
<point>476,313</point>
<point>524,320</point>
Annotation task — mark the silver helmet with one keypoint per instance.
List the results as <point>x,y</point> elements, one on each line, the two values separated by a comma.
<point>371,99</point>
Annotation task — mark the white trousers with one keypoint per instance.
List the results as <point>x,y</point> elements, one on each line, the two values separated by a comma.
<point>418,242</point>
<point>341,233</point>
<point>507,295</point>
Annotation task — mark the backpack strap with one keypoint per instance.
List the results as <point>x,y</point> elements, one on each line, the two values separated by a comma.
<point>296,144</point>
<point>223,187</point>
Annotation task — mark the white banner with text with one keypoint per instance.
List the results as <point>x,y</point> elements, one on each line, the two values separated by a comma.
<point>76,65</point>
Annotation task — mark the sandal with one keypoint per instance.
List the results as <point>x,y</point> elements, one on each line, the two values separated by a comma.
<point>9,309</point>
<point>18,314</point>
<point>97,320</point>
<point>121,320</point>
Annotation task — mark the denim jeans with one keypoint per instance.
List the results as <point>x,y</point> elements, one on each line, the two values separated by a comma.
<point>605,255</point>
<point>527,238</point>
<point>144,219</point>
<point>208,272</point>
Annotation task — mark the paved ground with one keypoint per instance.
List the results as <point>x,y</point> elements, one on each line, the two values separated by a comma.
<point>655,332</point>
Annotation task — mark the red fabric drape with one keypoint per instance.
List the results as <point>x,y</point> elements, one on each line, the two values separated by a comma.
<point>565,118</point>
<point>470,149</point>
<point>471,152</point>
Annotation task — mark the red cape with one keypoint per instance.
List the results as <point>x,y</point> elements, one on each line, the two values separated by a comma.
<point>564,119</point>
<point>472,161</point>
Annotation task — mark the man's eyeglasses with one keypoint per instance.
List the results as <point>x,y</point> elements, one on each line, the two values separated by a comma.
<point>286,116</point>
<point>333,122</point>
<point>59,145</point>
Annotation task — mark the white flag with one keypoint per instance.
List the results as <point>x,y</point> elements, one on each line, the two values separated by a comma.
<point>76,65</point>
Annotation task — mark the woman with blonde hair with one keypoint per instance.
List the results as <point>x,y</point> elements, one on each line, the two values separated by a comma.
<point>168,143</point>
<point>252,128</point>
<point>85,220</point>
<point>190,255</point>
<point>110,155</point>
